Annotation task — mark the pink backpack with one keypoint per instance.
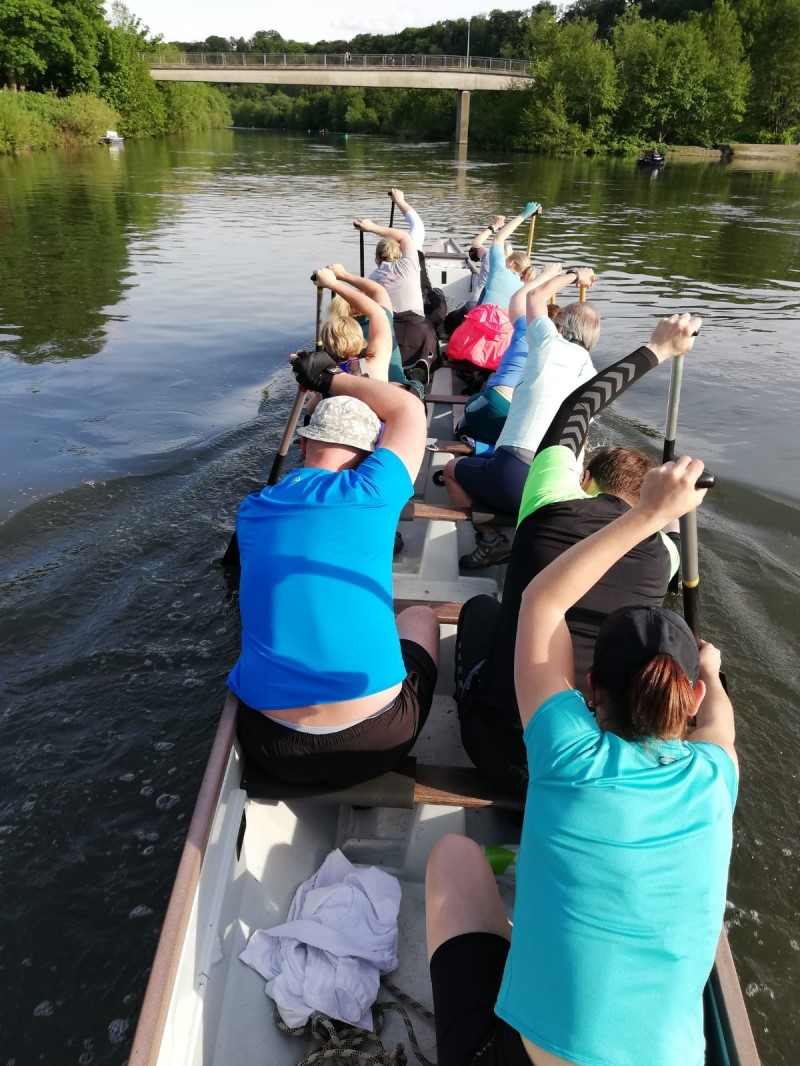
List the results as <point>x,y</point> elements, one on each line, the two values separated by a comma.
<point>482,337</point>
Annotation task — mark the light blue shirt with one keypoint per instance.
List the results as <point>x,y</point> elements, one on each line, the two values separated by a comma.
<point>316,588</point>
<point>501,283</point>
<point>554,368</point>
<point>512,364</point>
<point>621,881</point>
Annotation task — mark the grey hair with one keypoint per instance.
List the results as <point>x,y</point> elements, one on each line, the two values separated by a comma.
<point>580,323</point>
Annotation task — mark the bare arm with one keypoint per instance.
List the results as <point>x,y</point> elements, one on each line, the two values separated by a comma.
<point>488,231</point>
<point>531,208</point>
<point>537,299</point>
<point>543,664</point>
<point>379,345</point>
<point>407,245</point>
<point>370,288</point>
<point>715,723</point>
<point>404,416</point>
<point>518,301</point>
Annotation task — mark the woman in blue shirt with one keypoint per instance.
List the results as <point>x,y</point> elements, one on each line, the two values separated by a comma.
<point>623,861</point>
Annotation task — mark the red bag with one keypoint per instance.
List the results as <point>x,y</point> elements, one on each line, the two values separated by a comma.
<point>482,337</point>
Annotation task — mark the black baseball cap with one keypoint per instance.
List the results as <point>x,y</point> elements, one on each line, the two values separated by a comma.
<point>631,636</point>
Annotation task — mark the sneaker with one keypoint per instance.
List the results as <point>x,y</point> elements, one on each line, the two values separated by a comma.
<point>487,553</point>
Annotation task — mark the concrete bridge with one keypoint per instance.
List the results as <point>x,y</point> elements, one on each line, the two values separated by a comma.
<point>465,74</point>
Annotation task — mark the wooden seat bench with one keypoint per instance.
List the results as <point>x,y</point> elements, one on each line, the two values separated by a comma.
<point>418,509</point>
<point>411,783</point>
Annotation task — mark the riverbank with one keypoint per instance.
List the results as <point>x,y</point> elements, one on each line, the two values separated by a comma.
<point>31,122</point>
<point>761,156</point>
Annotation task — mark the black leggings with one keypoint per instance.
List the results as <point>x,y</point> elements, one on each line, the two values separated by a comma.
<point>466,973</point>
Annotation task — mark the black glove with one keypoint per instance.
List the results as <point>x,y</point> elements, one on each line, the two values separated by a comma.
<point>314,371</point>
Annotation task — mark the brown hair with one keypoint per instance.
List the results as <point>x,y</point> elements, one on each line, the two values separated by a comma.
<point>658,703</point>
<point>620,471</point>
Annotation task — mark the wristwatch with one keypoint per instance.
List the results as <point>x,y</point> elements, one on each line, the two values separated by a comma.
<point>493,229</point>
<point>572,270</point>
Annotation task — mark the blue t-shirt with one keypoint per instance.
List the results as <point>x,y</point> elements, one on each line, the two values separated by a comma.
<point>512,364</point>
<point>621,881</point>
<point>316,587</point>
<point>501,283</point>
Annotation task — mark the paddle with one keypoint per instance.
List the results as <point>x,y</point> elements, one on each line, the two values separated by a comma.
<point>361,243</point>
<point>231,556</point>
<point>530,231</point>
<point>391,213</point>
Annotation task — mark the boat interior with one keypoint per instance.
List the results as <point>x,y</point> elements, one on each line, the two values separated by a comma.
<point>252,842</point>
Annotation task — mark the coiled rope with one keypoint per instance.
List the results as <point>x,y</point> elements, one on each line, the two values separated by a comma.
<point>340,1043</point>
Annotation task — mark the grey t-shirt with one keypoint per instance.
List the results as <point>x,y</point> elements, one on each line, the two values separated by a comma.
<point>401,280</point>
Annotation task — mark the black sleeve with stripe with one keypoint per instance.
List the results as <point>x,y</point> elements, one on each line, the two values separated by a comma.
<point>571,423</point>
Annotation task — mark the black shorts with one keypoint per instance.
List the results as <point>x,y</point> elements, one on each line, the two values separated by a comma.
<point>359,753</point>
<point>466,973</point>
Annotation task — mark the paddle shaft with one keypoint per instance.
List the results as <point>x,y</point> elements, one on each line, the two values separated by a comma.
<point>530,233</point>
<point>361,247</point>
<point>582,294</point>
<point>671,429</point>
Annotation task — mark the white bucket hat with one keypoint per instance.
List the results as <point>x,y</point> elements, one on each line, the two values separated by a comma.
<point>344,420</point>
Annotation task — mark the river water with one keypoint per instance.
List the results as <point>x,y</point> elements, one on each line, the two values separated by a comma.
<point>148,300</point>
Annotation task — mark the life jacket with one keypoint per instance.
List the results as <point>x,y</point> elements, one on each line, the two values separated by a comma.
<point>482,337</point>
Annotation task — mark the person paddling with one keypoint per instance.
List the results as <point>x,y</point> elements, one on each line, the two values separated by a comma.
<point>318,702</point>
<point>622,869</point>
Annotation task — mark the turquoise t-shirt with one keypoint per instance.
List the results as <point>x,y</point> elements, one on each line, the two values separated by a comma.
<point>316,587</point>
<point>621,882</point>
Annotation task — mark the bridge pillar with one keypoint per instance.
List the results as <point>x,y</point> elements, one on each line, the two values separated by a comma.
<point>462,116</point>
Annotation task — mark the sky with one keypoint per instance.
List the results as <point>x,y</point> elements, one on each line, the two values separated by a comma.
<point>300,20</point>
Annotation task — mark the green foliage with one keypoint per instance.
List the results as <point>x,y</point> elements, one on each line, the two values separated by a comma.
<point>775,103</point>
<point>190,107</point>
<point>44,120</point>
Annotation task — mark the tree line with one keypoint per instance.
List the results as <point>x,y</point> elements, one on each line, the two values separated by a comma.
<point>608,75</point>
<point>68,74</point>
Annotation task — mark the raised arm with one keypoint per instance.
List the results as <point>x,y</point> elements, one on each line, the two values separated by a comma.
<point>537,298</point>
<point>489,231</point>
<point>518,301</point>
<point>379,344</point>
<point>416,227</point>
<point>543,663</point>
<point>407,245</point>
<point>531,208</point>
<point>406,428</point>
<point>373,289</point>
<point>672,336</point>
<point>715,721</point>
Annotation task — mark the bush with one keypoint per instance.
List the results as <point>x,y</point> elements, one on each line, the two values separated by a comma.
<point>31,121</point>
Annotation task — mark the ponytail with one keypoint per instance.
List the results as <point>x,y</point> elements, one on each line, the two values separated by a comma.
<point>660,700</point>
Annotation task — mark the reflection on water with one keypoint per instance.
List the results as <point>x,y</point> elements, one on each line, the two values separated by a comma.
<point>146,299</point>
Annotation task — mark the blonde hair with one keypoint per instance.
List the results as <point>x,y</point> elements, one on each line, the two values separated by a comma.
<point>518,262</point>
<point>342,338</point>
<point>388,250</point>
<point>339,308</point>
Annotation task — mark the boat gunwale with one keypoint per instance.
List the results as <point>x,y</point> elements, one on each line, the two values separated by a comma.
<point>161,982</point>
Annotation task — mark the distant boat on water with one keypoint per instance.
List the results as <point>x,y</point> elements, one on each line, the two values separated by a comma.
<point>112,137</point>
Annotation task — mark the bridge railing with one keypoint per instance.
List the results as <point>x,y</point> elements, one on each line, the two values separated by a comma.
<point>396,61</point>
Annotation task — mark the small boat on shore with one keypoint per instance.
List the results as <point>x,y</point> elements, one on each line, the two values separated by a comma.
<point>111,137</point>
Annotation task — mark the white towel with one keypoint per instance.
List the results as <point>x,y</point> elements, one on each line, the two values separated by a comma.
<point>339,937</point>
